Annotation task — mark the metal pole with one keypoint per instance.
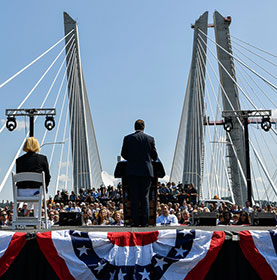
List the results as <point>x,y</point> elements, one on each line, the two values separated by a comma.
<point>247,158</point>
<point>31,125</point>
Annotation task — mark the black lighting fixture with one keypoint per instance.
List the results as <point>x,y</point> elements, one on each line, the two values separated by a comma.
<point>266,124</point>
<point>49,122</point>
<point>11,123</point>
<point>228,124</point>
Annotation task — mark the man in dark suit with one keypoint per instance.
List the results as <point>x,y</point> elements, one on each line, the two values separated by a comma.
<point>139,151</point>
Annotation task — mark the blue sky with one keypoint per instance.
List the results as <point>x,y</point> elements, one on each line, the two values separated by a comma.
<point>136,57</point>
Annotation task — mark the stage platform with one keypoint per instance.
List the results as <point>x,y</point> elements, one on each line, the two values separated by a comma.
<point>231,229</point>
<point>38,256</point>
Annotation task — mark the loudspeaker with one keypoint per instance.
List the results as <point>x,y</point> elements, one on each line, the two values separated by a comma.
<point>70,219</point>
<point>263,219</point>
<point>204,218</point>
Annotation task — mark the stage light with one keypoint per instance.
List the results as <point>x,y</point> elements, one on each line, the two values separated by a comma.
<point>266,124</point>
<point>49,122</point>
<point>228,124</point>
<point>11,123</point>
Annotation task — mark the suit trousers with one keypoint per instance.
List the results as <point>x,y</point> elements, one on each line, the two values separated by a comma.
<point>139,188</point>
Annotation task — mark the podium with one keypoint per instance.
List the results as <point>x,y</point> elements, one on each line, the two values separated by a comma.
<point>120,172</point>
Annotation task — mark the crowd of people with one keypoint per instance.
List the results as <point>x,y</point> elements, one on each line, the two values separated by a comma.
<point>103,206</point>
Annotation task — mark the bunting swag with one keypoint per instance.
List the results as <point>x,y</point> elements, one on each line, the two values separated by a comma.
<point>11,244</point>
<point>163,254</point>
<point>260,249</point>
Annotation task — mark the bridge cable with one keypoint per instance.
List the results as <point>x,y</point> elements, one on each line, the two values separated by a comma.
<point>215,131</point>
<point>61,152</point>
<point>237,85</point>
<point>254,46</point>
<point>55,104</point>
<point>67,161</point>
<point>262,159</point>
<point>220,150</point>
<point>267,72</point>
<point>256,84</point>
<point>230,140</point>
<point>226,96</point>
<point>261,57</point>
<point>252,70</point>
<point>230,76</point>
<point>59,90</point>
<point>31,63</point>
<point>38,82</point>
<point>265,170</point>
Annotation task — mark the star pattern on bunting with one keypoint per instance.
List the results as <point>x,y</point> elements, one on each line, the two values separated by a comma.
<point>121,275</point>
<point>180,251</point>
<point>145,274</point>
<point>99,267</point>
<point>112,275</point>
<point>159,264</point>
<point>83,250</point>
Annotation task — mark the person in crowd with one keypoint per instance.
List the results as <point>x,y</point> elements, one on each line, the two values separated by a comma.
<point>51,218</point>
<point>179,216</point>
<point>102,218</point>
<point>75,208</point>
<point>166,218</point>
<point>248,209</point>
<point>69,208</point>
<point>184,205</point>
<point>56,219</point>
<point>86,218</point>
<point>164,193</point>
<point>226,218</point>
<point>234,209</point>
<point>73,196</point>
<point>234,219</point>
<point>139,150</point>
<point>192,193</point>
<point>89,198</point>
<point>256,208</point>
<point>118,219</point>
<point>185,220</point>
<point>4,218</point>
<point>58,196</point>
<point>243,219</point>
<point>24,212</point>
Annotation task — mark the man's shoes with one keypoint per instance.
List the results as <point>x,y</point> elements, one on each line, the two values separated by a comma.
<point>145,225</point>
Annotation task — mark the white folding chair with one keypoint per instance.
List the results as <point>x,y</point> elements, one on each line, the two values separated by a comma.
<point>19,222</point>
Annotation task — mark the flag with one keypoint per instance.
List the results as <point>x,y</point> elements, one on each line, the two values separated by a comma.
<point>164,254</point>
<point>260,249</point>
<point>11,244</point>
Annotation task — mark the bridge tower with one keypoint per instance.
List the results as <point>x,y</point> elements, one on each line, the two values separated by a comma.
<point>188,158</point>
<point>85,156</point>
<point>230,101</point>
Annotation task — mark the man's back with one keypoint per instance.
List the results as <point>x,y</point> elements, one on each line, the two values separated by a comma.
<point>139,150</point>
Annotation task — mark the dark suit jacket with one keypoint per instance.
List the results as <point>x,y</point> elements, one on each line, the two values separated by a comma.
<point>139,151</point>
<point>32,162</point>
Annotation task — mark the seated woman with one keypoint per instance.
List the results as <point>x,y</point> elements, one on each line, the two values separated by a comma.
<point>243,219</point>
<point>118,219</point>
<point>185,220</point>
<point>102,218</point>
<point>31,161</point>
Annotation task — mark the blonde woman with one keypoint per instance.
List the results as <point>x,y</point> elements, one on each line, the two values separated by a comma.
<point>31,161</point>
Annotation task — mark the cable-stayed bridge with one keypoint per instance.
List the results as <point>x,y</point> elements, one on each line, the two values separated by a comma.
<point>226,74</point>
